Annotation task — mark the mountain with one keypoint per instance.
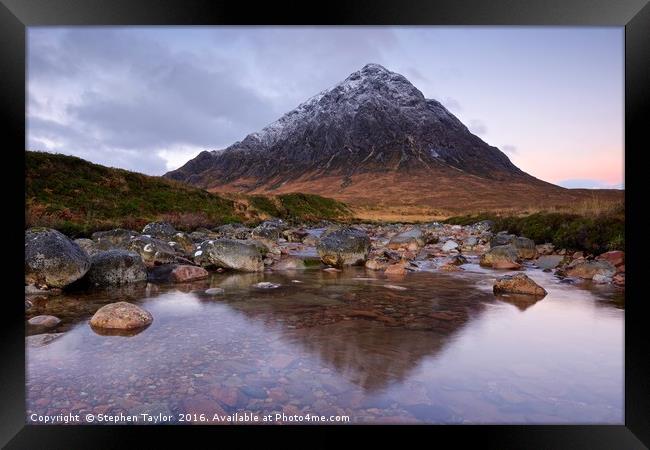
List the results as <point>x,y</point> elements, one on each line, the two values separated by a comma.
<point>373,139</point>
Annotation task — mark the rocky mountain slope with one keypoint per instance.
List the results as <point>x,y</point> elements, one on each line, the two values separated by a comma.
<point>372,139</point>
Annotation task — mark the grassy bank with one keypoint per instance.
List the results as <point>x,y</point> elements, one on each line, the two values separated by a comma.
<point>594,230</point>
<point>79,197</point>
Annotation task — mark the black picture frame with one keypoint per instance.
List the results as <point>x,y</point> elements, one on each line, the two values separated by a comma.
<point>634,15</point>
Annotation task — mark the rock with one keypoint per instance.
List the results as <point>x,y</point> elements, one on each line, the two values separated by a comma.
<point>616,257</point>
<point>449,246</point>
<point>39,340</point>
<point>483,225</point>
<point>374,264</point>
<point>549,261</point>
<point>578,255</point>
<point>159,230</point>
<point>87,245</point>
<point>518,284</point>
<point>545,249</point>
<point>44,321</point>
<point>53,260</point>
<point>500,257</point>
<point>290,263</point>
<point>182,242</point>
<point>310,240</point>
<point>471,241</point>
<point>501,238</point>
<point>411,240</point>
<point>215,291</point>
<point>619,279</point>
<point>229,254</point>
<point>266,233</point>
<point>116,238</point>
<point>450,268</point>
<point>457,260</point>
<point>343,247</point>
<point>266,285</point>
<point>232,231</point>
<point>295,234</point>
<point>602,279</point>
<point>173,273</point>
<point>121,316</point>
<point>396,269</point>
<point>526,248</point>
<point>203,234</point>
<point>155,251</point>
<point>587,269</point>
<point>114,267</point>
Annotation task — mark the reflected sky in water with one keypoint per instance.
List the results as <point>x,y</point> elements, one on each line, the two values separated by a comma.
<point>444,350</point>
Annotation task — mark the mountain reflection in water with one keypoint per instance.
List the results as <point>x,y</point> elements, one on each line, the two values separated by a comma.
<point>444,350</point>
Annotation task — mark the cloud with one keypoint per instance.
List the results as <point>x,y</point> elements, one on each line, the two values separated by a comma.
<point>510,149</point>
<point>138,98</point>
<point>477,127</point>
<point>589,184</point>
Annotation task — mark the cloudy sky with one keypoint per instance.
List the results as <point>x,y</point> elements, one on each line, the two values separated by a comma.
<point>150,98</point>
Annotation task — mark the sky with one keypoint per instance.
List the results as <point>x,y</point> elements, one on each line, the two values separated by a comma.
<point>148,99</point>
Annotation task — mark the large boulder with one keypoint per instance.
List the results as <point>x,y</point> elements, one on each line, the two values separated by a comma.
<point>160,230</point>
<point>115,267</point>
<point>53,260</point>
<point>412,240</point>
<point>343,247</point>
<point>501,257</point>
<point>229,254</point>
<point>526,248</point>
<point>518,284</point>
<point>589,269</point>
<point>121,316</point>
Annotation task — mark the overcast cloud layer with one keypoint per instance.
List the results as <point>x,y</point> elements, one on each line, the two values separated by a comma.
<point>148,99</point>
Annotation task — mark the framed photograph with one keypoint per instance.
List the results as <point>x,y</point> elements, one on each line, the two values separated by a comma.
<point>373,218</point>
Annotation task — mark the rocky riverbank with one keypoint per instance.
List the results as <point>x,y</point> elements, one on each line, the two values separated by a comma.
<point>161,254</point>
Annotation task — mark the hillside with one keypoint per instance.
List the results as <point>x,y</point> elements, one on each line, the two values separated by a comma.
<point>79,197</point>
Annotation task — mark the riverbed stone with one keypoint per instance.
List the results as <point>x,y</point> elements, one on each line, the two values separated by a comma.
<point>121,316</point>
<point>344,247</point>
<point>501,257</point>
<point>412,239</point>
<point>44,321</point>
<point>289,263</point>
<point>526,248</point>
<point>549,261</point>
<point>229,254</point>
<point>519,283</point>
<point>52,260</point>
<point>587,269</point>
<point>449,246</point>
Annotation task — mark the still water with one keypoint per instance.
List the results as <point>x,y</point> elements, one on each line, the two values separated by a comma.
<point>430,347</point>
